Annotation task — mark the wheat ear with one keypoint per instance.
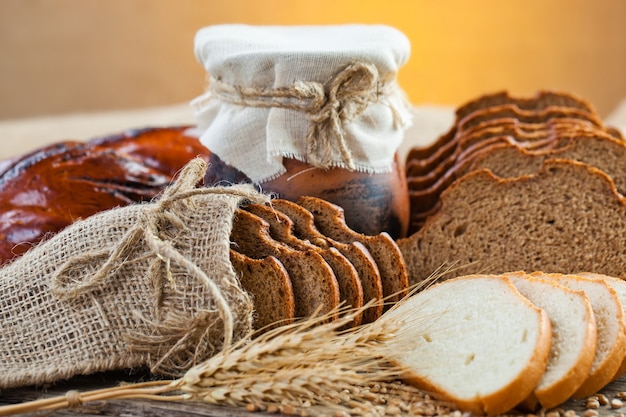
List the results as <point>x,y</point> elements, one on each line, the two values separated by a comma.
<point>311,367</point>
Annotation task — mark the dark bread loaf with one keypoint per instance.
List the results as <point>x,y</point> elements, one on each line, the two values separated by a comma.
<point>495,115</point>
<point>600,151</point>
<point>267,282</point>
<point>510,159</point>
<point>315,286</point>
<point>541,100</point>
<point>532,135</point>
<point>566,218</point>
<point>547,122</point>
<point>329,220</point>
<point>426,198</point>
<point>281,229</point>
<point>355,252</point>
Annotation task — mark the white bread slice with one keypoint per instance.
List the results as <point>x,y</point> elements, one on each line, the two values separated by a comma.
<point>474,341</point>
<point>609,314</point>
<point>573,338</point>
<point>619,285</point>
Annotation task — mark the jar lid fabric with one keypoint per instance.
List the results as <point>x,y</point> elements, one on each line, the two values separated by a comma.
<point>325,95</point>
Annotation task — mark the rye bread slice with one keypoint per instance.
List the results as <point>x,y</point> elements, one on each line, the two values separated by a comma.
<point>601,151</point>
<point>281,229</point>
<point>537,140</point>
<point>268,283</point>
<point>486,117</point>
<point>476,139</point>
<point>355,252</point>
<point>330,221</point>
<point>315,286</point>
<point>540,100</point>
<point>509,160</point>
<point>566,218</point>
<point>583,146</point>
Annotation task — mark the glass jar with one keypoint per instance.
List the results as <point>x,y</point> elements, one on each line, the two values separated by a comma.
<point>309,110</point>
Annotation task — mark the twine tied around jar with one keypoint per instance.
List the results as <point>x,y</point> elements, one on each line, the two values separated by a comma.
<point>329,106</point>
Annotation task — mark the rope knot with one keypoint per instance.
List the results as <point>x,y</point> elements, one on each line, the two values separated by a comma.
<point>329,107</point>
<point>347,94</point>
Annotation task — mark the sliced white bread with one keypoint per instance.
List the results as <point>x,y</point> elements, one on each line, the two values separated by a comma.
<point>619,285</point>
<point>474,341</point>
<point>573,338</point>
<point>609,315</point>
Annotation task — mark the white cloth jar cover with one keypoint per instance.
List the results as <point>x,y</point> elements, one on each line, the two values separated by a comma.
<point>324,95</point>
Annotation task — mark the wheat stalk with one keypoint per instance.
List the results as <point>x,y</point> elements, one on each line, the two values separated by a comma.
<point>312,367</point>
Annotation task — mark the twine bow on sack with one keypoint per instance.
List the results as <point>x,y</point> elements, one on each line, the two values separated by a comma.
<point>148,232</point>
<point>330,106</point>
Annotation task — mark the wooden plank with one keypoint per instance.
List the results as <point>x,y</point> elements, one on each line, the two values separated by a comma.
<point>148,408</point>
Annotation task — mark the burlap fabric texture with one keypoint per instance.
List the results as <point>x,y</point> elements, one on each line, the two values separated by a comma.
<point>143,285</point>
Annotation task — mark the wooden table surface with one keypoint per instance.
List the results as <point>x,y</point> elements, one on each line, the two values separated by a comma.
<point>136,408</point>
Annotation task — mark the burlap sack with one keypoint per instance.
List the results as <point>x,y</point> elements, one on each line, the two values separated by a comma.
<point>143,285</point>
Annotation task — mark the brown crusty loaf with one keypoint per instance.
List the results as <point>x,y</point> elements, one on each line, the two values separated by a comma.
<point>566,218</point>
<point>315,286</point>
<point>330,221</point>
<point>530,136</point>
<point>546,122</point>
<point>491,116</point>
<point>541,100</point>
<point>507,161</point>
<point>268,283</point>
<point>355,252</point>
<point>281,229</point>
<point>511,159</point>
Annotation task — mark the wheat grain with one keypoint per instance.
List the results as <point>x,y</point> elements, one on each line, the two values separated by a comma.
<point>313,367</point>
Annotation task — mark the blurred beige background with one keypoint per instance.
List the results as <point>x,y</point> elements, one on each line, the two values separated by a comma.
<point>69,56</point>
<point>78,69</point>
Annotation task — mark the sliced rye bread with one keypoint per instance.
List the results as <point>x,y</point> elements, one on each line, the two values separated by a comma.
<point>474,341</point>
<point>547,138</point>
<point>541,100</point>
<point>355,252</point>
<point>602,151</point>
<point>574,338</point>
<point>610,326</point>
<point>509,160</point>
<point>619,285</point>
<point>268,283</point>
<point>330,221</point>
<point>488,117</point>
<point>566,218</point>
<point>531,135</point>
<point>315,286</point>
<point>281,229</point>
